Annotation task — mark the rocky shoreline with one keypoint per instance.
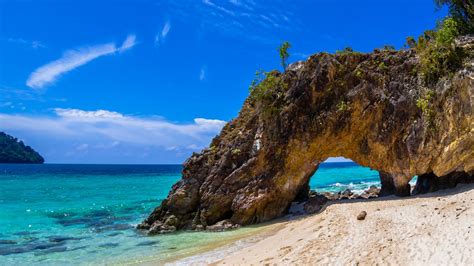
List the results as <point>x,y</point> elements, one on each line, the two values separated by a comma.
<point>311,204</point>
<point>315,202</point>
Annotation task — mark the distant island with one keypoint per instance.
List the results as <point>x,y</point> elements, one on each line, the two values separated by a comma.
<point>13,150</point>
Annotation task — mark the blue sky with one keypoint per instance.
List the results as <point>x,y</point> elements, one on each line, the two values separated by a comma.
<point>152,81</point>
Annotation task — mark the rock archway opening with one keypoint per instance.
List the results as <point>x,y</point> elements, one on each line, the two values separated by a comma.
<point>341,178</point>
<point>338,174</point>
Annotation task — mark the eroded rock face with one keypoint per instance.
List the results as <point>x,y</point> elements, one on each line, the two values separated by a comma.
<point>430,182</point>
<point>360,106</point>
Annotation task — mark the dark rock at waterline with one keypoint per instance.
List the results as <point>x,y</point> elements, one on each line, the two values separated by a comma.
<point>346,194</point>
<point>171,221</point>
<point>160,228</point>
<point>314,203</point>
<point>222,226</point>
<point>143,226</point>
<point>199,228</point>
<point>372,192</point>
<point>331,196</point>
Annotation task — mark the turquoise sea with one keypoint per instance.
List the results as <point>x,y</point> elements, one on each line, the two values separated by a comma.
<point>85,214</point>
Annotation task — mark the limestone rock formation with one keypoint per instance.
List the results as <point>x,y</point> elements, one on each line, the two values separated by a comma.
<point>360,106</point>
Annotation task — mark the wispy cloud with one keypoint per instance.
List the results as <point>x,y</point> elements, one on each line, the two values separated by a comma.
<point>160,37</point>
<point>71,59</point>
<point>220,8</point>
<point>32,44</point>
<point>70,130</point>
<point>129,42</point>
<point>202,73</point>
<point>243,19</point>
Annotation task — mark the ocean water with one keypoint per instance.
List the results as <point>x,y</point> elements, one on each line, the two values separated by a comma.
<point>86,214</point>
<point>335,177</point>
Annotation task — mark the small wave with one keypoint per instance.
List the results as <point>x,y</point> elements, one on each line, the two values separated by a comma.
<point>371,183</point>
<point>357,187</point>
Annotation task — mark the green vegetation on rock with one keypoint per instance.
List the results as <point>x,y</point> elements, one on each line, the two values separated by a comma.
<point>264,82</point>
<point>13,150</point>
<point>426,107</point>
<point>283,50</point>
<point>461,11</point>
<point>438,55</point>
<point>342,106</point>
<point>268,84</point>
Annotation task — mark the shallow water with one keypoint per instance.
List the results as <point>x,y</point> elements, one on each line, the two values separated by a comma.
<point>85,214</point>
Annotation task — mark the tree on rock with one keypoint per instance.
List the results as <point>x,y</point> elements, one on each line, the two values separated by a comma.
<point>283,50</point>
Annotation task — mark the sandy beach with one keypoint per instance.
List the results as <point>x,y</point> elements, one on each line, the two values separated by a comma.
<point>432,229</point>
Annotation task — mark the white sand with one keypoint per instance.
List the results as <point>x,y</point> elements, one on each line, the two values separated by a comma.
<point>433,229</point>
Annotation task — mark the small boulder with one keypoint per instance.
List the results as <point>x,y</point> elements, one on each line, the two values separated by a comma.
<point>143,226</point>
<point>171,221</point>
<point>362,215</point>
<point>346,194</point>
<point>373,191</point>
<point>222,226</point>
<point>199,228</point>
<point>315,204</point>
<point>160,228</point>
<point>330,196</point>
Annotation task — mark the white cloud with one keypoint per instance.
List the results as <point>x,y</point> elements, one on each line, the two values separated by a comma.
<point>71,59</point>
<point>202,73</point>
<point>76,113</point>
<point>160,37</point>
<point>99,130</point>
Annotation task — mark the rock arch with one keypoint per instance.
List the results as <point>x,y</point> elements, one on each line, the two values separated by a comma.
<point>360,106</point>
